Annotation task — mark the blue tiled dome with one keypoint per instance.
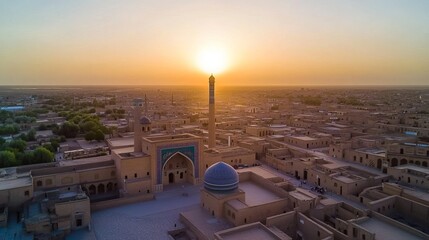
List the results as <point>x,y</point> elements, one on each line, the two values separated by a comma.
<point>220,177</point>
<point>145,120</point>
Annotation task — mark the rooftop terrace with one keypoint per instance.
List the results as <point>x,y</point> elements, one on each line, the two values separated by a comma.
<point>384,230</point>
<point>256,195</point>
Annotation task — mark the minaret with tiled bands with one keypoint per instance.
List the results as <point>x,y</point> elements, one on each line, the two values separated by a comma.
<point>212,126</point>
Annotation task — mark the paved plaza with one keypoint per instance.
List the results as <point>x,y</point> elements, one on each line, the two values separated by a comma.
<point>144,220</point>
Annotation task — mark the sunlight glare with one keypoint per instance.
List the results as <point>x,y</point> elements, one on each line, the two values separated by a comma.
<point>212,60</point>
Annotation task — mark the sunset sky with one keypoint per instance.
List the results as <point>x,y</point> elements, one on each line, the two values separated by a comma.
<point>264,42</point>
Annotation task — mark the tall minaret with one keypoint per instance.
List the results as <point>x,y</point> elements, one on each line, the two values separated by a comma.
<point>212,128</point>
<point>145,105</point>
<point>137,106</point>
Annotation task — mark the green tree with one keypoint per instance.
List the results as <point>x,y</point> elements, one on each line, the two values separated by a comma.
<point>89,136</point>
<point>42,155</point>
<point>99,135</point>
<point>19,144</point>
<point>24,158</point>
<point>9,129</point>
<point>23,136</point>
<point>55,144</point>
<point>69,130</point>
<point>5,115</point>
<point>31,135</point>
<point>49,147</point>
<point>88,126</point>
<point>7,159</point>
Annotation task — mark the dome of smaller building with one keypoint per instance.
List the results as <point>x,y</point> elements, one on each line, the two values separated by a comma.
<point>220,177</point>
<point>145,120</point>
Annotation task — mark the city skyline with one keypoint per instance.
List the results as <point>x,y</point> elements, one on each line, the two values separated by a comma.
<point>270,43</point>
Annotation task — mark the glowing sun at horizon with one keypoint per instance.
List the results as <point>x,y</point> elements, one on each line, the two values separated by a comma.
<point>212,60</point>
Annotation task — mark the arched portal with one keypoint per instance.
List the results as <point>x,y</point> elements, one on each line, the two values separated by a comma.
<point>178,169</point>
<point>92,190</point>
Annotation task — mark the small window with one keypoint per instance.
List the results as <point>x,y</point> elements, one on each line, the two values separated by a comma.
<point>135,175</point>
<point>27,193</point>
<point>147,173</point>
<point>126,176</point>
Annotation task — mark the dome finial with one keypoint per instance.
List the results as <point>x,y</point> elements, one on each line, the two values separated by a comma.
<point>211,77</point>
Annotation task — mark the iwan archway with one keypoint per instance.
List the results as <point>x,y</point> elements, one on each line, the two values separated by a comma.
<point>178,169</point>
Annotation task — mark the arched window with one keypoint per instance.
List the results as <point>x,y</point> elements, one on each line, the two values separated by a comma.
<point>100,188</point>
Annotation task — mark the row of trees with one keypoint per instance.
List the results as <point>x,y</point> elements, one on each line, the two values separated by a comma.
<point>9,129</point>
<point>114,113</point>
<point>14,154</point>
<point>86,124</point>
<point>353,101</point>
<point>7,117</point>
<point>311,100</point>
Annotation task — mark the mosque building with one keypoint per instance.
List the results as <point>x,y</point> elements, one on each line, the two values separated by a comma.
<point>155,161</point>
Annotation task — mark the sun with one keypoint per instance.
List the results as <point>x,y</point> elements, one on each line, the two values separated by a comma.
<point>212,60</point>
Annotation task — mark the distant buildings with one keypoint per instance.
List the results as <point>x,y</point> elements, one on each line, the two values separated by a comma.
<point>269,165</point>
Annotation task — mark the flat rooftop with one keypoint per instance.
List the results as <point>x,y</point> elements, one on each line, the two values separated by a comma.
<point>15,183</point>
<point>251,231</point>
<point>337,125</point>
<point>345,179</point>
<point>81,161</point>
<point>91,144</point>
<point>334,165</point>
<point>129,153</point>
<point>414,167</point>
<point>258,171</point>
<point>376,151</point>
<point>204,222</point>
<point>169,138</point>
<point>303,138</point>
<point>384,230</point>
<point>302,194</point>
<point>256,195</point>
<point>228,151</point>
<point>121,142</point>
